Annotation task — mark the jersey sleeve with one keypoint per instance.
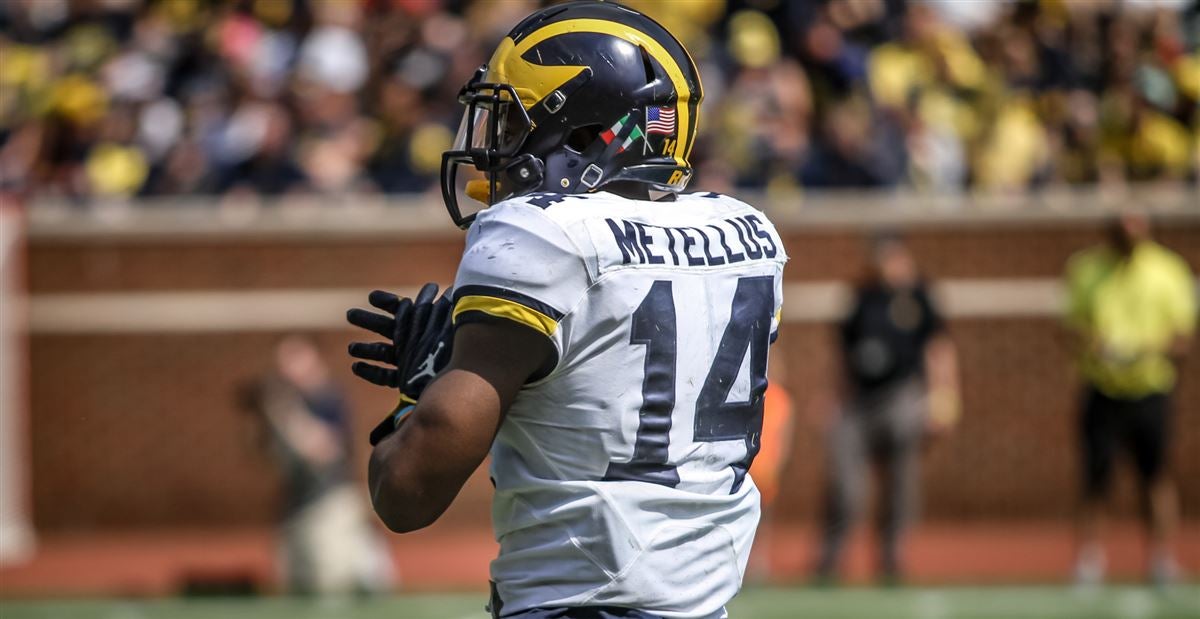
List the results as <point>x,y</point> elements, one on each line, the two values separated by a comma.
<point>932,323</point>
<point>519,266</point>
<point>1181,302</point>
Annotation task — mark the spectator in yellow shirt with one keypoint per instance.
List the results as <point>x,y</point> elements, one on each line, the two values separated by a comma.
<point>1132,311</point>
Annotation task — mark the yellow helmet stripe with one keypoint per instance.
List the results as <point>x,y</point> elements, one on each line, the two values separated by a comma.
<point>533,82</point>
<point>636,37</point>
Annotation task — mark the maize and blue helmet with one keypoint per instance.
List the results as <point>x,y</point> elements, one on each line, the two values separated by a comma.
<point>577,96</point>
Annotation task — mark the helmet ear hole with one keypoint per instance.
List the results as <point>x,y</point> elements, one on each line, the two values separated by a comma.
<point>647,65</point>
<point>582,137</point>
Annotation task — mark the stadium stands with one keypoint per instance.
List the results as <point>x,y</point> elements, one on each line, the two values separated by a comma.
<point>144,98</point>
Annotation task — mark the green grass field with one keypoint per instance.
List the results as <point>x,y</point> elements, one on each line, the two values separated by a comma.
<point>763,603</point>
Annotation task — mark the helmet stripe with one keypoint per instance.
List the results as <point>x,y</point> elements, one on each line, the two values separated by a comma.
<point>533,82</point>
<point>628,33</point>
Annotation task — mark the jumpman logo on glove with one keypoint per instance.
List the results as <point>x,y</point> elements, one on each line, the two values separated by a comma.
<point>414,329</point>
<point>427,366</point>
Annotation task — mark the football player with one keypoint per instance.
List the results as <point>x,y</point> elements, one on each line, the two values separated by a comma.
<point>606,339</point>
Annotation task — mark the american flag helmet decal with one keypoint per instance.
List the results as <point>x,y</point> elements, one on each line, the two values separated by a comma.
<point>660,120</point>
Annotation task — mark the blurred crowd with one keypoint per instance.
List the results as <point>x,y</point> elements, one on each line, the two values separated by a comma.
<point>121,98</point>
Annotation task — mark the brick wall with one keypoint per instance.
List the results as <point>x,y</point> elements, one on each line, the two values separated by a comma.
<point>142,429</point>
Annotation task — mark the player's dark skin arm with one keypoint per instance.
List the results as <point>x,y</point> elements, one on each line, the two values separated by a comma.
<point>415,473</point>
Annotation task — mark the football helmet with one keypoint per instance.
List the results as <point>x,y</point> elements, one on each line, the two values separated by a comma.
<point>577,96</point>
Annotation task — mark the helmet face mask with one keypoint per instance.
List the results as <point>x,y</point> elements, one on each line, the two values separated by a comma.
<point>577,96</point>
<point>493,129</point>
<point>494,124</point>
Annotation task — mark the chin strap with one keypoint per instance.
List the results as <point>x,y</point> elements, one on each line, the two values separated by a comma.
<point>599,150</point>
<point>524,174</point>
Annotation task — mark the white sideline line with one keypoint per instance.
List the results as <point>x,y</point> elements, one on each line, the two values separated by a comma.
<point>325,308</point>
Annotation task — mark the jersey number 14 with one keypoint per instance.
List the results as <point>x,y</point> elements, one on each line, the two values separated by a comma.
<point>655,327</point>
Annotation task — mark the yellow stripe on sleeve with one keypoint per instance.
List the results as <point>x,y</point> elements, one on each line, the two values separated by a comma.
<point>503,308</point>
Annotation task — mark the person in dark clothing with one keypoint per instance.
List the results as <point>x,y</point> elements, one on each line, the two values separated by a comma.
<point>900,386</point>
<point>327,544</point>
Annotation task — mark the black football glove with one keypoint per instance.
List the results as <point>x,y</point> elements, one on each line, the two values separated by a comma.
<point>420,334</point>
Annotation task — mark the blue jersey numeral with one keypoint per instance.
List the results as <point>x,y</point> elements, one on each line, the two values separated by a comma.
<point>749,328</point>
<point>654,326</point>
<point>545,199</point>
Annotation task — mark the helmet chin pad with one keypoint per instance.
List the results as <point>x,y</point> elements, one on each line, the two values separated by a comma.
<point>478,190</point>
<point>519,176</point>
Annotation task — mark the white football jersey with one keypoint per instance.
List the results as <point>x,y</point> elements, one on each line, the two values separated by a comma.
<point>621,475</point>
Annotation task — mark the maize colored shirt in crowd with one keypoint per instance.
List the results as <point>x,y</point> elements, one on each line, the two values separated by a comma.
<point>1131,309</point>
